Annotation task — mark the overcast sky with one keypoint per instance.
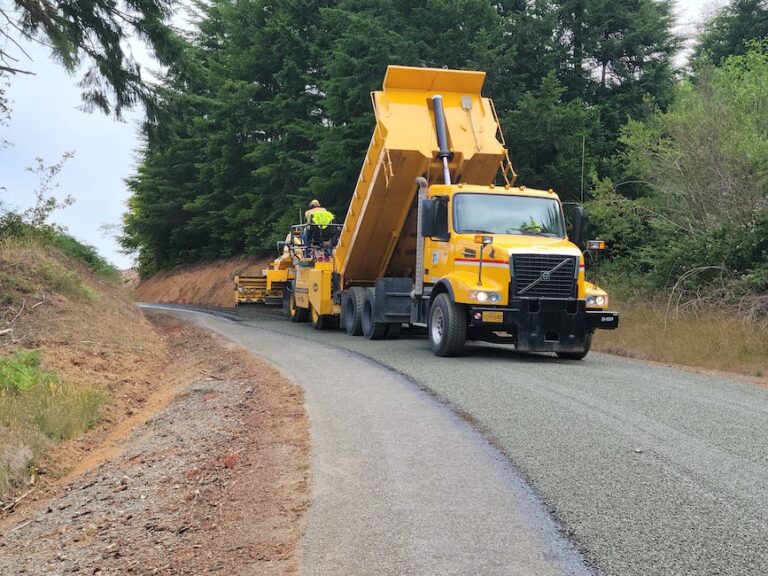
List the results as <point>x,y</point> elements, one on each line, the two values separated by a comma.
<point>46,122</point>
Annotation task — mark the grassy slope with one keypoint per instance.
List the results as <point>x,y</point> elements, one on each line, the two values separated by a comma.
<point>713,340</point>
<point>91,337</point>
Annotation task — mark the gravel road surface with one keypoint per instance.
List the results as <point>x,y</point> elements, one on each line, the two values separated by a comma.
<point>401,485</point>
<point>648,469</point>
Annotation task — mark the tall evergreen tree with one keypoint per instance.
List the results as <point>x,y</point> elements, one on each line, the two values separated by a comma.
<point>269,105</point>
<point>91,33</point>
<point>731,29</point>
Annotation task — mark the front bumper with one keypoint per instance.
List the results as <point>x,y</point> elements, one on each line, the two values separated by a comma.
<point>541,325</point>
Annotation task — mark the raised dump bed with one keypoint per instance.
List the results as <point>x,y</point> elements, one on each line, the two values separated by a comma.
<point>380,225</point>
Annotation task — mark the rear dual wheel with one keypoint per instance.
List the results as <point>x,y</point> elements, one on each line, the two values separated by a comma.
<point>357,306</point>
<point>352,302</point>
<point>372,330</point>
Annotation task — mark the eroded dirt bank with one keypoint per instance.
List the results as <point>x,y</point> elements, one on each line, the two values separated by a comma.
<point>210,476</point>
<point>207,284</point>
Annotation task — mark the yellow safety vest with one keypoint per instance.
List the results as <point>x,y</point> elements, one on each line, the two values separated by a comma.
<point>321,217</point>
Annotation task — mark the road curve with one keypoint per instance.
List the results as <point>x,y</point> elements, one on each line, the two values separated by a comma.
<point>401,485</point>
<point>649,470</point>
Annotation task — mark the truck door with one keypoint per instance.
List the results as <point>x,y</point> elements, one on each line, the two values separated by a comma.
<point>436,248</point>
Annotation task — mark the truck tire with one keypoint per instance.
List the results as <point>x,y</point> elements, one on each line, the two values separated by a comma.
<point>352,302</point>
<point>320,322</point>
<point>295,313</point>
<point>371,330</point>
<point>447,327</point>
<point>577,355</point>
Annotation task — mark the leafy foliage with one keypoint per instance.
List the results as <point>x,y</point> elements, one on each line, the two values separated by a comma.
<point>731,30</point>
<point>34,224</point>
<point>22,371</point>
<point>704,165</point>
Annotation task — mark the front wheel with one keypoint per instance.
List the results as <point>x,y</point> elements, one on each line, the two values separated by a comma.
<point>447,327</point>
<point>295,313</point>
<point>577,355</point>
<point>320,322</point>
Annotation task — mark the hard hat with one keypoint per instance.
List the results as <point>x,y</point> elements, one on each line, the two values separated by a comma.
<point>314,204</point>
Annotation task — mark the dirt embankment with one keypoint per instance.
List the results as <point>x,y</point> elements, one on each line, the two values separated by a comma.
<point>208,284</point>
<point>89,332</point>
<point>190,456</point>
<point>217,481</point>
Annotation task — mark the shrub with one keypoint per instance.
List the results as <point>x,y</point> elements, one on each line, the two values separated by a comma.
<point>66,282</point>
<point>22,371</point>
<point>36,408</point>
<point>86,254</point>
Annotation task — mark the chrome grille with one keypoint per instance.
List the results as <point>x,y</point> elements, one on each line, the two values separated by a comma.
<point>543,276</point>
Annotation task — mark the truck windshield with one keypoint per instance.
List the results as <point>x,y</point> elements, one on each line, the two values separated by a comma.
<point>507,214</point>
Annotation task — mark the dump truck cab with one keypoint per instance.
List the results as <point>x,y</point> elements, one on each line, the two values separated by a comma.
<point>502,257</point>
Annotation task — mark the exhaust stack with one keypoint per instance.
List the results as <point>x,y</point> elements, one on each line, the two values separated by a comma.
<point>442,136</point>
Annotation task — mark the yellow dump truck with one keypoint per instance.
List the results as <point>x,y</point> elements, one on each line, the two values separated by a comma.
<point>430,240</point>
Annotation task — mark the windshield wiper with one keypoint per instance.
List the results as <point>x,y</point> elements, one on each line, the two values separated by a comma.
<point>533,233</point>
<point>476,232</point>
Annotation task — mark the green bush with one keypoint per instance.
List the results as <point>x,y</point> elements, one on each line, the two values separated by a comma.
<point>13,225</point>
<point>86,254</point>
<point>36,408</point>
<point>700,223</point>
<point>22,371</point>
<point>36,399</point>
<point>63,281</point>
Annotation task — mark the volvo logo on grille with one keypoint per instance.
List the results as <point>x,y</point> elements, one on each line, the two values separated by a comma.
<point>545,276</point>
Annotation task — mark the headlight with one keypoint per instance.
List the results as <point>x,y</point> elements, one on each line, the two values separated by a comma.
<point>482,296</point>
<point>597,301</point>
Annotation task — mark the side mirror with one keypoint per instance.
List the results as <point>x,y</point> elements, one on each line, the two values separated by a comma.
<point>579,226</point>
<point>434,218</point>
<point>428,218</point>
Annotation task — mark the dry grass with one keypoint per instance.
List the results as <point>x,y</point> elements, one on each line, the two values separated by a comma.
<point>91,337</point>
<point>713,340</point>
<point>208,284</point>
<point>32,420</point>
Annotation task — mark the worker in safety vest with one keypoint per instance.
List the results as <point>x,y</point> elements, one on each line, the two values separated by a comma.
<point>318,215</point>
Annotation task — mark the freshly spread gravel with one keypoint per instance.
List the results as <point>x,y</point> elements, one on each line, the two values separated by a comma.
<point>649,469</point>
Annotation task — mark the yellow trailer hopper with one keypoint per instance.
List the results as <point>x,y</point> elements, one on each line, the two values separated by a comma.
<point>268,288</point>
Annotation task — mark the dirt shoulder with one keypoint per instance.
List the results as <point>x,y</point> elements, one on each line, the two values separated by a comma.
<point>211,474</point>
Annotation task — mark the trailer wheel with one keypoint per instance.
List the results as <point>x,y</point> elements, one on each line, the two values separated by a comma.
<point>577,355</point>
<point>371,330</point>
<point>447,327</point>
<point>320,322</point>
<point>352,302</point>
<point>294,312</point>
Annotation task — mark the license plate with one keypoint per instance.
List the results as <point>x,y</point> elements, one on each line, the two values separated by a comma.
<point>495,317</point>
